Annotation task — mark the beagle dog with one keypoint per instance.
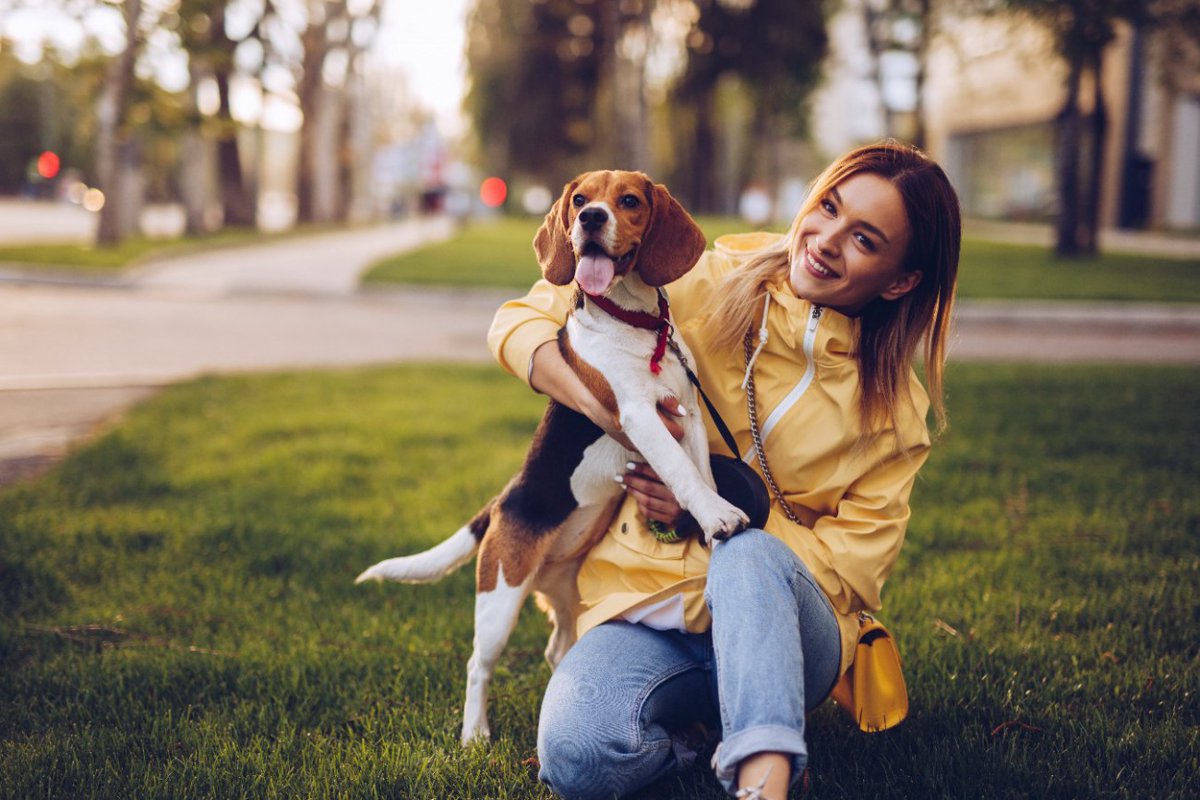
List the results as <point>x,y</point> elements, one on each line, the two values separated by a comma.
<point>619,237</point>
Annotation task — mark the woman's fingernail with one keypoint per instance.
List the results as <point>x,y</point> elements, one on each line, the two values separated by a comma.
<point>629,465</point>
<point>619,479</point>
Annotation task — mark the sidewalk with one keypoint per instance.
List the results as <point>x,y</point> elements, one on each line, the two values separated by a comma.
<point>72,357</point>
<point>75,354</point>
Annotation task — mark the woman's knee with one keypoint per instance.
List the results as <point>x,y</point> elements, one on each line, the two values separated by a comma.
<point>747,559</point>
<point>582,756</point>
<point>589,742</point>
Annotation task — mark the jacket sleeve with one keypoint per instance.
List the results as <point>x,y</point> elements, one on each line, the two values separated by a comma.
<point>521,326</point>
<point>852,551</point>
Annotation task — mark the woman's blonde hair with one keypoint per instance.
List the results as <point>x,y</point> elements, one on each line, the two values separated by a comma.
<point>889,330</point>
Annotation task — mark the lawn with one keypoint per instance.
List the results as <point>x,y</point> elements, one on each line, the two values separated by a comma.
<point>499,254</point>
<point>178,619</point>
<point>135,250</point>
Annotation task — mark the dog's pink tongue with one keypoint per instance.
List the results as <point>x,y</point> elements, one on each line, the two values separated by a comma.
<point>594,273</point>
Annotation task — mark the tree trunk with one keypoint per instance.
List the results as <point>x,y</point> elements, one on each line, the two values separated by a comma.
<point>873,20</point>
<point>110,136</point>
<point>325,164</point>
<point>194,164</point>
<point>704,164</point>
<point>1069,130</point>
<point>922,56</point>
<point>194,183</point>
<point>1099,134</point>
<point>627,78</point>
<point>310,88</point>
<point>235,196</point>
<point>236,199</point>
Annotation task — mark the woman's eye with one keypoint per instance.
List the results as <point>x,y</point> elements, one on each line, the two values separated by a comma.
<point>865,241</point>
<point>578,200</point>
<point>829,207</point>
<point>629,201</point>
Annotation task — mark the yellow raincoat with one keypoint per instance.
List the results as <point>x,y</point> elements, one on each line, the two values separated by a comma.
<point>853,501</point>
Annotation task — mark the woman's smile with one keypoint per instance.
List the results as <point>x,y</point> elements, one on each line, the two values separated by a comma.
<point>818,268</point>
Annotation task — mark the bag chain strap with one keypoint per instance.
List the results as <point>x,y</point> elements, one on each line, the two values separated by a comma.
<point>752,407</point>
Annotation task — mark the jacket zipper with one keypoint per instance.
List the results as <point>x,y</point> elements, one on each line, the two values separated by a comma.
<point>810,372</point>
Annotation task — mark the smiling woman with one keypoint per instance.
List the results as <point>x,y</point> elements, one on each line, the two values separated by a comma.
<point>837,307</point>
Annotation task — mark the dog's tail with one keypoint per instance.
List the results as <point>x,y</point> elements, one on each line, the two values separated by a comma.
<point>437,562</point>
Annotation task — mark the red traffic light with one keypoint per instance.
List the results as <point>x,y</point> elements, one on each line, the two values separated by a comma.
<point>492,192</point>
<point>48,164</point>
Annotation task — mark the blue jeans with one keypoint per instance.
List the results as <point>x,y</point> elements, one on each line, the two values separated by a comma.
<point>615,707</point>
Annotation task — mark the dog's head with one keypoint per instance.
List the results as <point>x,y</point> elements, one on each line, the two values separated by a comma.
<point>608,223</point>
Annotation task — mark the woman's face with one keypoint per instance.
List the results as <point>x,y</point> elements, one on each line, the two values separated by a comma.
<point>849,249</point>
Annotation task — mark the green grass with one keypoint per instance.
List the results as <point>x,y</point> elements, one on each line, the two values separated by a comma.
<point>96,260</point>
<point>177,617</point>
<point>499,254</point>
<point>1010,272</point>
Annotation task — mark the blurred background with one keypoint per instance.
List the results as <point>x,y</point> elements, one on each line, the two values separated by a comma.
<point>164,118</point>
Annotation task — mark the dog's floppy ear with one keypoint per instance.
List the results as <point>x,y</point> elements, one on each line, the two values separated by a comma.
<point>553,241</point>
<point>673,243</point>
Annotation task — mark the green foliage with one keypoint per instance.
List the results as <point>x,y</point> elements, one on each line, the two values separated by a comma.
<point>535,69</point>
<point>774,46</point>
<point>177,617</point>
<point>44,107</point>
<point>500,255</point>
<point>20,137</point>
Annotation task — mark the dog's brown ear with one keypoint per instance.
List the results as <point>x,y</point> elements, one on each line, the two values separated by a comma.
<point>553,241</point>
<point>673,243</point>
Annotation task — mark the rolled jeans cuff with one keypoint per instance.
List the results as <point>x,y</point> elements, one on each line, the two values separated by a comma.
<point>762,739</point>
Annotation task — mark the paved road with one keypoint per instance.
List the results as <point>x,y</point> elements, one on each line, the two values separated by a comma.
<point>73,356</point>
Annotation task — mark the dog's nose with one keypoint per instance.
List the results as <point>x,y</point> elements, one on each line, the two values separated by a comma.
<point>592,218</point>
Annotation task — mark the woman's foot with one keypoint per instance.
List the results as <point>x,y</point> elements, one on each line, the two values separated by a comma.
<point>764,776</point>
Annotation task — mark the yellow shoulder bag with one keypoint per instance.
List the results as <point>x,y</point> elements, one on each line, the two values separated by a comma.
<point>872,691</point>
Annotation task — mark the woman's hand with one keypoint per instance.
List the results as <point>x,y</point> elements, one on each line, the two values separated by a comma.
<point>654,499</point>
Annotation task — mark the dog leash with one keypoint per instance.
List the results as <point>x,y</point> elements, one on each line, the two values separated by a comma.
<point>722,428</point>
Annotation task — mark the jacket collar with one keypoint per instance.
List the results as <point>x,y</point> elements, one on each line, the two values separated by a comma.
<point>789,318</point>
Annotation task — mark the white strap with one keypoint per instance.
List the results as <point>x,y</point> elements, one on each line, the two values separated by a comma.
<point>762,340</point>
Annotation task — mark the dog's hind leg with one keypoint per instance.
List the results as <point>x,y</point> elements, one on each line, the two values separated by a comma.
<point>496,613</point>
<point>558,596</point>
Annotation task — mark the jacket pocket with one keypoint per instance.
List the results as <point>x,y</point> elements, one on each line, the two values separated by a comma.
<point>630,531</point>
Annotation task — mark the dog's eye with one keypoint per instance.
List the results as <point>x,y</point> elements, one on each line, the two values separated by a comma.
<point>629,201</point>
<point>578,200</point>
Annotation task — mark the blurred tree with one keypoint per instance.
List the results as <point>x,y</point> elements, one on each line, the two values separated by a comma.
<point>204,33</point>
<point>334,39</point>
<point>1082,29</point>
<point>774,48</point>
<point>21,135</point>
<point>49,106</point>
<point>116,144</point>
<point>534,69</point>
<point>904,28</point>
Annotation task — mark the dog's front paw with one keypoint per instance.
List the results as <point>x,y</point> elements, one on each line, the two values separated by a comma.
<point>719,519</point>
